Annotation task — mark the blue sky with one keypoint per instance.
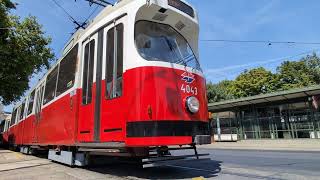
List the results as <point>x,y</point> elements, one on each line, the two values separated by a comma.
<point>271,20</point>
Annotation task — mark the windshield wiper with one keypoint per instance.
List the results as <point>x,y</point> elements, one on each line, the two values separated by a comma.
<point>182,59</point>
<point>187,59</point>
<point>181,56</point>
<point>168,43</point>
<point>172,49</point>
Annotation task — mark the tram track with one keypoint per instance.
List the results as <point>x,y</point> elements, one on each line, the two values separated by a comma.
<point>25,167</point>
<point>11,162</point>
<point>6,152</point>
<point>22,164</point>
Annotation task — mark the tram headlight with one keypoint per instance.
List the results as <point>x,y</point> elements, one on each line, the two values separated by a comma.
<point>193,104</point>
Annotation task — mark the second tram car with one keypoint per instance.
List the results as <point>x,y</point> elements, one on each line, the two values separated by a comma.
<point>130,84</point>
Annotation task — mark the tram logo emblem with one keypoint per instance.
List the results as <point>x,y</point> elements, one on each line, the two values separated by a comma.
<point>188,77</point>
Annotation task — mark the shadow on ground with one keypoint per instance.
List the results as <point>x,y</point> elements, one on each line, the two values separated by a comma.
<point>104,165</point>
<point>124,168</point>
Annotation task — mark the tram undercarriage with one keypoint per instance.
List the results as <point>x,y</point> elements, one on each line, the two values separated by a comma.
<point>147,157</point>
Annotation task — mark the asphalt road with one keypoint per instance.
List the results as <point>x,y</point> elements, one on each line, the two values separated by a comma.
<point>251,164</point>
<point>224,164</point>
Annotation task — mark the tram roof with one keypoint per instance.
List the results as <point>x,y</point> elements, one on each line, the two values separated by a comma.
<point>265,98</point>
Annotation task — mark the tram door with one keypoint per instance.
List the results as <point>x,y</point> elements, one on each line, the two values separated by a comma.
<point>38,106</point>
<point>86,125</point>
<point>100,108</point>
<point>112,102</point>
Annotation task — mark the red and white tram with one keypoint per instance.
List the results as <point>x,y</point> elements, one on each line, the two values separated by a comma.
<point>130,84</point>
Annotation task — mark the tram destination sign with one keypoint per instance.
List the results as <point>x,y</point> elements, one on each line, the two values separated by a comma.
<point>182,7</point>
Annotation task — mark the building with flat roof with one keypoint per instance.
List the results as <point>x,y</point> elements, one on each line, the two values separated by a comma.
<point>282,115</point>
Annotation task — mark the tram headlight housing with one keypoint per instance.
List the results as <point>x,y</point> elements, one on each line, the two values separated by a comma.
<point>193,104</point>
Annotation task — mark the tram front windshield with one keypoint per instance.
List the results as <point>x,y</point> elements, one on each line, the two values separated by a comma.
<point>160,42</point>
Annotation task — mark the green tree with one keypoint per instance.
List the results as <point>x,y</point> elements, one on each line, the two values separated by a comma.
<point>290,74</point>
<point>294,74</point>
<point>313,64</point>
<point>219,92</point>
<point>253,82</point>
<point>23,51</point>
<point>5,6</point>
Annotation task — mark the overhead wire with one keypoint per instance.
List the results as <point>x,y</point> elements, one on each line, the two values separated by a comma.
<point>223,70</point>
<point>260,41</point>
<point>64,10</point>
<point>228,68</point>
<point>99,2</point>
<point>94,10</point>
<point>73,19</point>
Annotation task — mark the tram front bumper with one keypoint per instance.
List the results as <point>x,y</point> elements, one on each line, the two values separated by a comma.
<point>161,133</point>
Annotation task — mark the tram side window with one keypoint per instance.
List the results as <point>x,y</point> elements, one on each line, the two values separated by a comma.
<point>18,115</point>
<point>67,71</point>
<point>5,126</point>
<point>30,104</point>
<point>13,117</point>
<point>87,80</point>
<point>8,125</point>
<point>51,83</point>
<point>114,74</point>
<point>22,110</point>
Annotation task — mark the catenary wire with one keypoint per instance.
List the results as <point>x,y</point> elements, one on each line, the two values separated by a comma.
<point>64,10</point>
<point>228,68</point>
<point>260,41</point>
<point>95,9</point>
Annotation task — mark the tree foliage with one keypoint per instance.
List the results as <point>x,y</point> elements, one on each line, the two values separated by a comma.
<point>218,92</point>
<point>294,74</point>
<point>23,51</point>
<point>5,6</point>
<point>313,64</point>
<point>290,74</point>
<point>252,82</point>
